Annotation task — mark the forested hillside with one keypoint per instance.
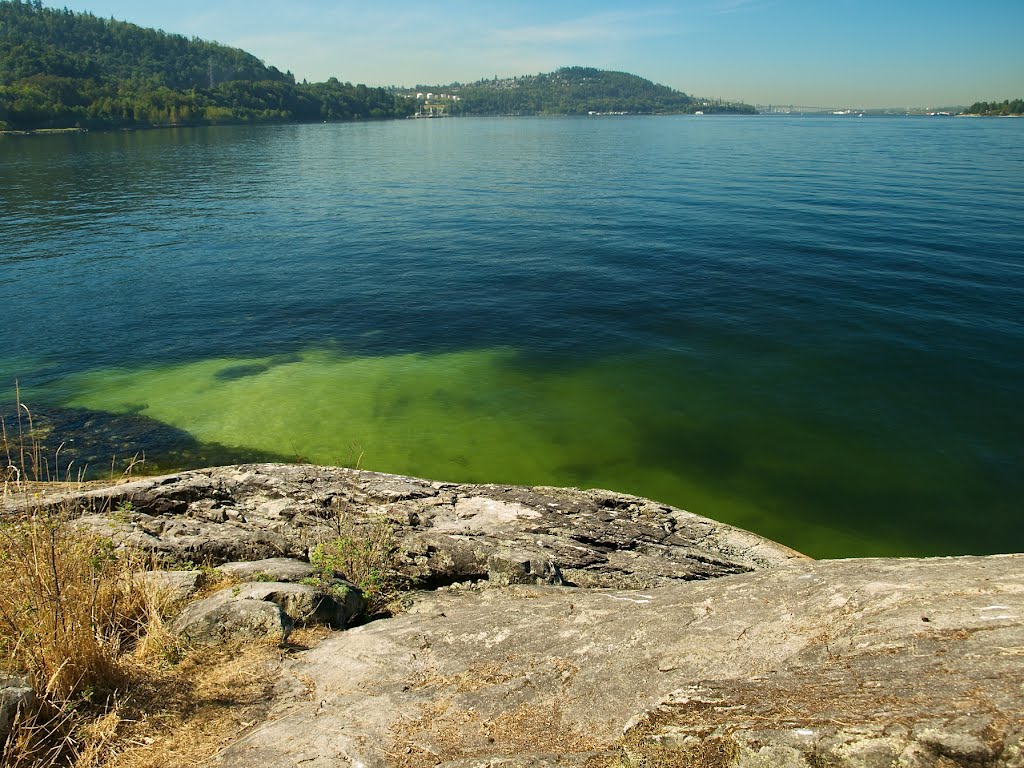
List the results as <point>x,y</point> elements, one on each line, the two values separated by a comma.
<point>63,69</point>
<point>60,69</point>
<point>575,91</point>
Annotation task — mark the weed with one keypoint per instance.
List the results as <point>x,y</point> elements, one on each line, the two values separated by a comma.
<point>23,450</point>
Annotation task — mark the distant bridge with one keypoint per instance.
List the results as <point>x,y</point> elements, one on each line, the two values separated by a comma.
<point>783,109</point>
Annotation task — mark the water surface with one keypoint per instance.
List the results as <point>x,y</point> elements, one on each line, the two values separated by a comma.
<point>810,327</point>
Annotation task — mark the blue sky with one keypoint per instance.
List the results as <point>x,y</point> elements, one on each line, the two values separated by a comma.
<point>804,52</point>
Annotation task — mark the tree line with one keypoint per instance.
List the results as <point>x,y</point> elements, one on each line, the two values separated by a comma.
<point>996,108</point>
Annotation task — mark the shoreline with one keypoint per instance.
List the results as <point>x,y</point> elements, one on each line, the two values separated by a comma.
<point>133,128</point>
<point>42,131</point>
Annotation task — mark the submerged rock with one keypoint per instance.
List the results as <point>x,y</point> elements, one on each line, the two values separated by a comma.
<point>79,443</point>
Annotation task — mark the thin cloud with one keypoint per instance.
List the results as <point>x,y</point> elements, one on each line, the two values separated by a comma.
<point>596,28</point>
<point>734,6</point>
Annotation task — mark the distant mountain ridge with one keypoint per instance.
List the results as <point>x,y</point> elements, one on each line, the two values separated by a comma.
<point>60,69</point>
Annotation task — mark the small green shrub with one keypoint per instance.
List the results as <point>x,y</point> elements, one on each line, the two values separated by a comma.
<point>364,554</point>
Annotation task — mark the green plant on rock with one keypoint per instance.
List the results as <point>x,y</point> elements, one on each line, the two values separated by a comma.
<point>366,554</point>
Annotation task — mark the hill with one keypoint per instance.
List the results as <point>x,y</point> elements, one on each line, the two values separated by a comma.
<point>62,69</point>
<point>574,91</point>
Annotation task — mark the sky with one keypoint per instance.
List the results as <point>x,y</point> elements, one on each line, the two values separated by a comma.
<point>801,52</point>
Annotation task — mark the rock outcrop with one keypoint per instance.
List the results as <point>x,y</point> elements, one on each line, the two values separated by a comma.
<point>565,627</point>
<point>447,532</point>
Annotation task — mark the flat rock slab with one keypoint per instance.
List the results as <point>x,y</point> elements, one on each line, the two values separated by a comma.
<point>840,663</point>
<point>446,532</point>
<point>618,631</point>
<point>271,569</point>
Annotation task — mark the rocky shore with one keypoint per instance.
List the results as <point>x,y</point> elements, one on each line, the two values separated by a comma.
<point>553,626</point>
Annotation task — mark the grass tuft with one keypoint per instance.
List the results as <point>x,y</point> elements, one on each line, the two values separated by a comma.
<point>69,607</point>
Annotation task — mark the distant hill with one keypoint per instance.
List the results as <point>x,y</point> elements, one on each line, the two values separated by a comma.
<point>575,91</point>
<point>60,69</point>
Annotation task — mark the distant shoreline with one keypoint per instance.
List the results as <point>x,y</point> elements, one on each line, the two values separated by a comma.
<point>42,131</point>
<point>164,126</point>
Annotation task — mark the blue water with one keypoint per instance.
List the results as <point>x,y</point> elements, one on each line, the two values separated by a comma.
<point>810,327</point>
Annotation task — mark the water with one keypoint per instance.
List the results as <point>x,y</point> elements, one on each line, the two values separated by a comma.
<point>809,327</point>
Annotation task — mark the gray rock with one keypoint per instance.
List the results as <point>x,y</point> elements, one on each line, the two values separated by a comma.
<point>811,664</point>
<point>336,605</point>
<point>672,639</point>
<point>446,532</point>
<point>525,761</point>
<point>257,610</point>
<point>770,756</point>
<point>271,569</point>
<point>1013,750</point>
<point>16,694</point>
<point>221,617</point>
<point>174,586</point>
<point>507,566</point>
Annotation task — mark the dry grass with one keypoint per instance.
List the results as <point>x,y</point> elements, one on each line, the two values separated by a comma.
<point>453,724</point>
<point>114,687</point>
<point>70,607</point>
<point>81,628</point>
<point>206,702</point>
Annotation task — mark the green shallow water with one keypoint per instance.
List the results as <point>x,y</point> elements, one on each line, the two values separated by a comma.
<point>495,416</point>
